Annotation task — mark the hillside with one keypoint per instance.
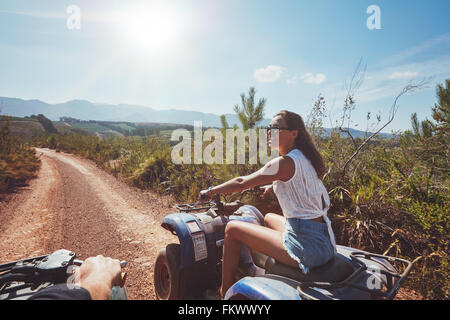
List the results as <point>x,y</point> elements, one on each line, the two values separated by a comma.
<point>85,110</point>
<point>122,115</point>
<point>25,128</point>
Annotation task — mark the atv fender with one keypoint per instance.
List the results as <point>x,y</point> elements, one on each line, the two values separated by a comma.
<point>267,287</point>
<point>177,224</point>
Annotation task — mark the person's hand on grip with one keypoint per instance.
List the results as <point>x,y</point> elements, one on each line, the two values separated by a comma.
<point>98,275</point>
<point>205,195</point>
<point>266,190</point>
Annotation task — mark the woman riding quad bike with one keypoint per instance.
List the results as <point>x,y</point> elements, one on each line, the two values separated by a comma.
<point>192,269</point>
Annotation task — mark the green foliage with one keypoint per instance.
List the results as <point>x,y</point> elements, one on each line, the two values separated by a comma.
<point>18,162</point>
<point>394,197</point>
<point>314,122</point>
<point>45,122</point>
<point>223,121</point>
<point>120,128</point>
<point>249,114</point>
<point>441,111</point>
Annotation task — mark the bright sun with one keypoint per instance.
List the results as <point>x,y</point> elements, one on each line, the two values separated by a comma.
<point>149,29</point>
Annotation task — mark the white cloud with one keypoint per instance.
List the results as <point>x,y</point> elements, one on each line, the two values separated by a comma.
<point>307,78</point>
<point>314,78</point>
<point>403,75</point>
<point>268,74</point>
<point>291,80</point>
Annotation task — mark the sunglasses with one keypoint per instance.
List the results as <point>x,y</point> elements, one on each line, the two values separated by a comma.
<point>275,127</point>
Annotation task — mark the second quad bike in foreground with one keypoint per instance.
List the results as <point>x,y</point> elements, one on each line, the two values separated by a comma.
<point>188,269</point>
<point>21,279</point>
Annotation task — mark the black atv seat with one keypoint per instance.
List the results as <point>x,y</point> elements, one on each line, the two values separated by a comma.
<point>335,270</point>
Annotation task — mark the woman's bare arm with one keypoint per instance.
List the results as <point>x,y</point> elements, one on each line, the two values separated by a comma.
<point>281,168</point>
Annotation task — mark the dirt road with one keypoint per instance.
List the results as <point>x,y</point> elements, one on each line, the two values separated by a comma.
<point>76,206</point>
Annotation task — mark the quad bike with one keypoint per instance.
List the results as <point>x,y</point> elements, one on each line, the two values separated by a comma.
<point>189,269</point>
<point>19,280</point>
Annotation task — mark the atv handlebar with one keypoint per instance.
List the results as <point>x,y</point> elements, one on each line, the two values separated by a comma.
<point>222,208</point>
<point>123,275</point>
<point>54,268</point>
<point>206,203</point>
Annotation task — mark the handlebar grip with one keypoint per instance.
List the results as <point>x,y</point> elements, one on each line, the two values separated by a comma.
<point>123,278</point>
<point>123,275</point>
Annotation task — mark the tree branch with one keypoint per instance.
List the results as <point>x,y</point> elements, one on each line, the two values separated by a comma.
<point>392,112</point>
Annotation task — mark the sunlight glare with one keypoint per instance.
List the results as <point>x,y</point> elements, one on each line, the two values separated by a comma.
<point>149,29</point>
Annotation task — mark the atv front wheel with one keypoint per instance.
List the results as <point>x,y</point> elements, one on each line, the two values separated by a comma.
<point>167,273</point>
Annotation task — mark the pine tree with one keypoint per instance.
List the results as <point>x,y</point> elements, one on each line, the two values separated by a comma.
<point>248,114</point>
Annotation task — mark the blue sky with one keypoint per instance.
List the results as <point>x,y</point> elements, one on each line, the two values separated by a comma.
<point>201,55</point>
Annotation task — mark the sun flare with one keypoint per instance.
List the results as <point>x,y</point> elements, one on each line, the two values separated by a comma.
<point>149,29</point>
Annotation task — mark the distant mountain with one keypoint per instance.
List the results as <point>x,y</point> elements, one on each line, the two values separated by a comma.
<point>86,110</point>
<point>358,134</point>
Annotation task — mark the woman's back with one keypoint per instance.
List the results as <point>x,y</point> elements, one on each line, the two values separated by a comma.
<point>303,196</point>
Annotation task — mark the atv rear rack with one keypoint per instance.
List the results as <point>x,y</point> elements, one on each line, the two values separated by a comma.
<point>392,286</point>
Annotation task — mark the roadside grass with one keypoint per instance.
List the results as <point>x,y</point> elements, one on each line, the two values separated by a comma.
<point>18,161</point>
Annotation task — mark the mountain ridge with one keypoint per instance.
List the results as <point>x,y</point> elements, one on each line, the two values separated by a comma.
<point>86,110</point>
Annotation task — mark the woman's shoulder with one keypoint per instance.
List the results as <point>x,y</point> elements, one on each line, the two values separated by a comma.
<point>279,161</point>
<point>298,157</point>
<point>295,153</point>
<point>282,167</point>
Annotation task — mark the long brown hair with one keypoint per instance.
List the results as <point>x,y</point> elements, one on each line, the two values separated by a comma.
<point>303,141</point>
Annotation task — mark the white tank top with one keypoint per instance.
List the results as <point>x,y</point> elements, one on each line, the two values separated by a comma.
<point>301,196</point>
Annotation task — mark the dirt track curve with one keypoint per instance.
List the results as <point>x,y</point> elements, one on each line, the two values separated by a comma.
<point>74,205</point>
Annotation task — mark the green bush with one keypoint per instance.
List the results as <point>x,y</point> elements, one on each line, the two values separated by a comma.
<point>18,161</point>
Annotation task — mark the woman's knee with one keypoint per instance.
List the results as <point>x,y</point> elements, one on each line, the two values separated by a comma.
<point>270,217</point>
<point>232,229</point>
<point>267,217</point>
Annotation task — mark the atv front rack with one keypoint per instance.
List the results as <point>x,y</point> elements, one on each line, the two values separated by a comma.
<point>393,279</point>
<point>198,206</point>
<point>222,207</point>
<point>32,272</point>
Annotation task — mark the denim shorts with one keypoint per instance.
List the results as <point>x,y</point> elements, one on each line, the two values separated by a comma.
<point>308,243</point>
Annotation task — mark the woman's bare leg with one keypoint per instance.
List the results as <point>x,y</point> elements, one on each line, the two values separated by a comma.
<point>274,221</point>
<point>259,238</point>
